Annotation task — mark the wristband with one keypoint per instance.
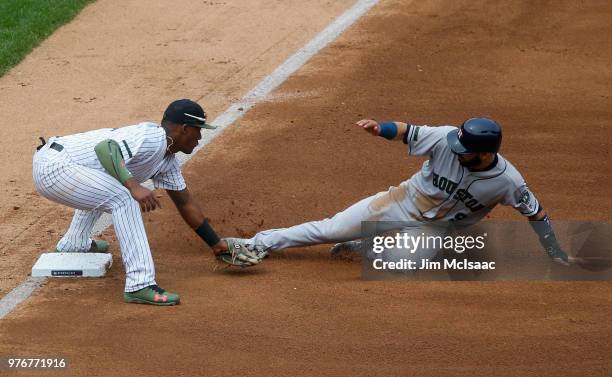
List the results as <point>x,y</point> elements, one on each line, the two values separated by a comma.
<point>206,232</point>
<point>388,130</point>
<point>545,232</point>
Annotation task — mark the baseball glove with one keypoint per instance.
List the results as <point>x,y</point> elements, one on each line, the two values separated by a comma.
<point>240,254</point>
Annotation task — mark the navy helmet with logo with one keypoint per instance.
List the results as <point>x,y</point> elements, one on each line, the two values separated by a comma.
<point>475,135</point>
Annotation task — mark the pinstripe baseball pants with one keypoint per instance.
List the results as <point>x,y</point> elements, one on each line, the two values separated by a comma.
<point>92,192</point>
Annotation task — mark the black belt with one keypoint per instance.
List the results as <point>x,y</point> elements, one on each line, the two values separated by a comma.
<point>54,145</point>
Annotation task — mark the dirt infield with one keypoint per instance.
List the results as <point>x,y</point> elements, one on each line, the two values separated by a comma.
<point>542,70</point>
<point>95,73</point>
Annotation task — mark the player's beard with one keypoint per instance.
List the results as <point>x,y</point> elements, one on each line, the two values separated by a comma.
<point>471,163</point>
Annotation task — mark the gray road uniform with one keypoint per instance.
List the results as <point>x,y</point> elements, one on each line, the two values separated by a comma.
<point>443,190</point>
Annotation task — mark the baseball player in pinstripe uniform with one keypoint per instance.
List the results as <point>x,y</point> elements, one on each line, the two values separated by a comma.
<point>102,171</point>
<point>464,179</point>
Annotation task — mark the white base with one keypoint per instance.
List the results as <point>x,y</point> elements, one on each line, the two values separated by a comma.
<point>72,265</point>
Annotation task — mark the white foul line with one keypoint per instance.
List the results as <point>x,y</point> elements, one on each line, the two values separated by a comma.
<point>229,116</point>
<point>19,294</point>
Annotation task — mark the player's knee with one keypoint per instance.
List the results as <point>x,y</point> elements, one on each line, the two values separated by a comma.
<point>123,199</point>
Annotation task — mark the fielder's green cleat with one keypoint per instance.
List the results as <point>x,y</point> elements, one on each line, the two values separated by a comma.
<point>97,246</point>
<point>152,295</point>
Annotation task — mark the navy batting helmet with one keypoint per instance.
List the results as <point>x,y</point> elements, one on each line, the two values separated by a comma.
<point>475,135</point>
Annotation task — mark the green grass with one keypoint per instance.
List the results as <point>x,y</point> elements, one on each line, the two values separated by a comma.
<point>25,23</point>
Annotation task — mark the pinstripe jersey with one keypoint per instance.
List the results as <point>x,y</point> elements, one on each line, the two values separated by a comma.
<point>445,190</point>
<point>143,147</point>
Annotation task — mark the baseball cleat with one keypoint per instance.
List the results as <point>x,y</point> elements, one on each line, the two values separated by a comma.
<point>238,254</point>
<point>97,246</point>
<point>346,249</point>
<point>259,250</point>
<point>152,295</point>
<point>241,254</point>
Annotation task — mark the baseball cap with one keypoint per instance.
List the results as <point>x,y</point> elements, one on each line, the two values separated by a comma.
<point>186,111</point>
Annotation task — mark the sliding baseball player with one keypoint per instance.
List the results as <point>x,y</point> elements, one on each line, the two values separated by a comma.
<point>464,179</point>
